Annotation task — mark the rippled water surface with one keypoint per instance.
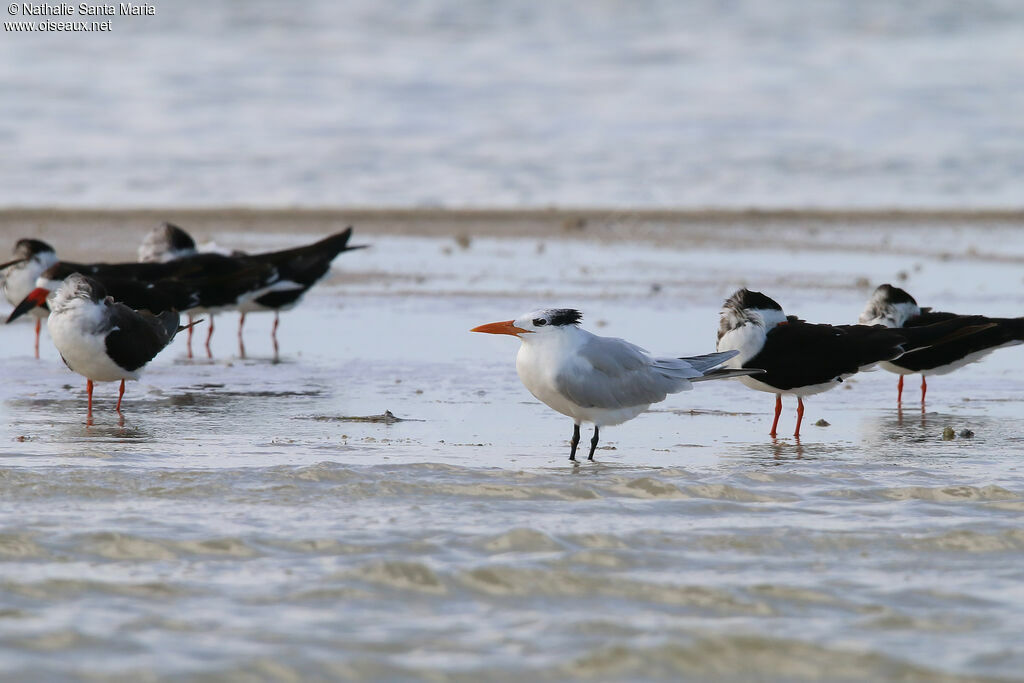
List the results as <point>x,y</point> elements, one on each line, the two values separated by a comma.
<point>241,525</point>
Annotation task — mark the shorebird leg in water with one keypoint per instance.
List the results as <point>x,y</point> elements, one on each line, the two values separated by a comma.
<point>899,391</point>
<point>778,411</point>
<point>273,332</point>
<point>924,388</point>
<point>209,336</point>
<point>39,323</point>
<point>799,415</point>
<point>189,338</point>
<point>241,341</point>
<point>575,441</point>
<point>593,444</point>
<point>120,395</point>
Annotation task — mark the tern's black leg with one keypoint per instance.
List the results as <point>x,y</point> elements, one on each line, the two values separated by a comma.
<point>593,444</point>
<point>575,441</point>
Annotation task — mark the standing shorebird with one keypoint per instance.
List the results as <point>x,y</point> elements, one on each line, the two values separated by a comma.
<point>893,307</point>
<point>102,340</point>
<point>296,270</point>
<point>800,358</point>
<point>601,380</point>
<point>18,277</point>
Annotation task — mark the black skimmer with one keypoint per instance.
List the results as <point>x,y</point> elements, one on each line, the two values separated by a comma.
<point>800,358</point>
<point>166,242</point>
<point>169,242</point>
<point>102,340</point>
<point>298,270</point>
<point>893,307</point>
<point>18,277</point>
<point>601,380</point>
<point>236,282</point>
<point>155,297</point>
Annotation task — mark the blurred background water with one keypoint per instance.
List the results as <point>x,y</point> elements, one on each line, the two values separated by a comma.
<point>442,102</point>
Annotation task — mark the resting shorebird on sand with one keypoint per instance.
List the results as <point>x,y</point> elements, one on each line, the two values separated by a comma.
<point>800,358</point>
<point>18,277</point>
<point>601,380</point>
<point>894,307</point>
<point>296,270</point>
<point>102,340</point>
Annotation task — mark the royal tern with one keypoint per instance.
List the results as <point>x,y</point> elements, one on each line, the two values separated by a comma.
<point>18,277</point>
<point>893,307</point>
<point>601,380</point>
<point>102,340</point>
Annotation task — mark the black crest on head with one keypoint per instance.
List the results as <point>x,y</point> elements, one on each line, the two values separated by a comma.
<point>31,247</point>
<point>894,295</point>
<point>744,299</point>
<point>561,316</point>
<point>178,238</point>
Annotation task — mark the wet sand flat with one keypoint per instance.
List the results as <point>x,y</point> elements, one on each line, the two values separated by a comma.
<point>242,524</point>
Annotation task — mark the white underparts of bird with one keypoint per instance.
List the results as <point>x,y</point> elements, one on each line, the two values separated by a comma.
<point>18,277</point>
<point>894,307</point>
<point>601,380</point>
<point>102,340</point>
<point>801,358</point>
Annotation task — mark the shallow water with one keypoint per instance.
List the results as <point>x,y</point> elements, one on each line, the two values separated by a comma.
<point>747,103</point>
<point>239,524</point>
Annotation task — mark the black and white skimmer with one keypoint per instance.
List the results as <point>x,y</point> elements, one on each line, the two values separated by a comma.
<point>894,307</point>
<point>601,380</point>
<point>297,270</point>
<point>800,358</point>
<point>166,242</point>
<point>201,283</point>
<point>102,340</point>
<point>155,297</point>
<point>18,277</point>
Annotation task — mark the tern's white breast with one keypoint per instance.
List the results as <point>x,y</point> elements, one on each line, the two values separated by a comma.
<point>539,363</point>
<point>83,348</point>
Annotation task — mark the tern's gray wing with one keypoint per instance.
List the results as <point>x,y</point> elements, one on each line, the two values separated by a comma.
<point>709,360</point>
<point>611,373</point>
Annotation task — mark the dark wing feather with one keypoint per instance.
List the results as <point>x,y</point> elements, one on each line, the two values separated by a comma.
<point>967,334</point>
<point>225,289</point>
<point>302,265</point>
<point>799,354</point>
<point>137,336</point>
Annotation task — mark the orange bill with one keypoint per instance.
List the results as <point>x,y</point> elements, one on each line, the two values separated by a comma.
<point>504,327</point>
